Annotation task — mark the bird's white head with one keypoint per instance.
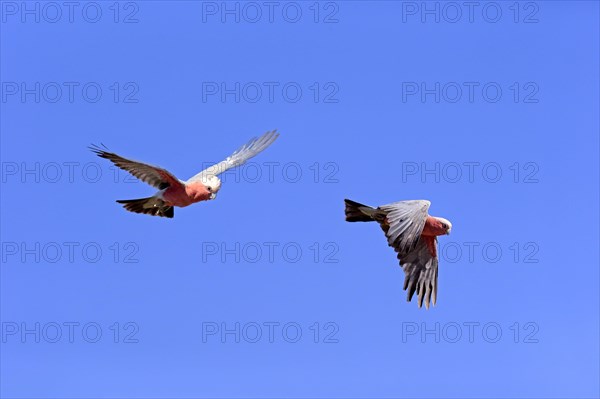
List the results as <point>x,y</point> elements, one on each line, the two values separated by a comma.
<point>445,224</point>
<point>213,184</point>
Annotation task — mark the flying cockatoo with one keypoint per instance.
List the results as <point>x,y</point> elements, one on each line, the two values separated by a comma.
<point>174,192</point>
<point>413,235</point>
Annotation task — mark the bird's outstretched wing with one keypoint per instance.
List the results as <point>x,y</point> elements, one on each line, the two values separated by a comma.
<point>404,223</point>
<point>421,272</point>
<point>153,175</point>
<point>240,156</point>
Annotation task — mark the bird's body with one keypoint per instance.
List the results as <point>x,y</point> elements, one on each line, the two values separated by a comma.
<point>173,192</point>
<point>413,235</point>
<point>185,195</point>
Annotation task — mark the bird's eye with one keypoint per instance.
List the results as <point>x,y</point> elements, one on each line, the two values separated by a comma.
<point>209,189</point>
<point>444,225</point>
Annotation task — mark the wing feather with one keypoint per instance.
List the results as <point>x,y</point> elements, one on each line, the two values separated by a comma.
<point>249,150</point>
<point>421,273</point>
<point>153,175</point>
<point>406,220</point>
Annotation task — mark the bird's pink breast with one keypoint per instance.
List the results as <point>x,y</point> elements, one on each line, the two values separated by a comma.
<point>185,195</point>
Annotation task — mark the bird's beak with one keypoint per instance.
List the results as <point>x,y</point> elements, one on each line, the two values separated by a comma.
<point>213,196</point>
<point>448,233</point>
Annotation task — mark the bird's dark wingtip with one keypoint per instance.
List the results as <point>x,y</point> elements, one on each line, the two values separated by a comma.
<point>96,149</point>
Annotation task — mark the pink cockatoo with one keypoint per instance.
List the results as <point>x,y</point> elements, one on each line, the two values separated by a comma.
<point>174,192</point>
<point>413,235</point>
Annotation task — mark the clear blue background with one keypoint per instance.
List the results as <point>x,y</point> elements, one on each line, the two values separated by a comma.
<point>170,292</point>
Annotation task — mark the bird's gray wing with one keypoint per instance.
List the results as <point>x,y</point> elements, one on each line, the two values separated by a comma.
<point>403,224</point>
<point>421,272</point>
<point>153,175</point>
<point>240,156</point>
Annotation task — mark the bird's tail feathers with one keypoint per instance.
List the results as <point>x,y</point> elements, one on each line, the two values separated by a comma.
<point>356,212</point>
<point>151,206</point>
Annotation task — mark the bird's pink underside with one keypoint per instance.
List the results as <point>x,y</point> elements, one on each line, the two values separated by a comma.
<point>432,229</point>
<point>182,195</point>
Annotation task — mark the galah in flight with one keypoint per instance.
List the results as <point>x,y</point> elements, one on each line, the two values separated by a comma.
<point>413,235</point>
<point>174,192</point>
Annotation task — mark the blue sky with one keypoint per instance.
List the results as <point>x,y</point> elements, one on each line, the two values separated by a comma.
<point>490,113</point>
